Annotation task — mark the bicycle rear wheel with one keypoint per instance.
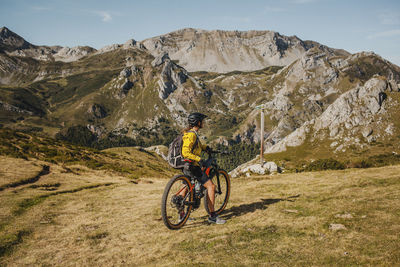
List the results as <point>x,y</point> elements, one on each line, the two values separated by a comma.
<point>174,207</point>
<point>222,192</point>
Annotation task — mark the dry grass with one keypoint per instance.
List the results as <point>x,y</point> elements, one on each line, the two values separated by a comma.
<point>283,220</point>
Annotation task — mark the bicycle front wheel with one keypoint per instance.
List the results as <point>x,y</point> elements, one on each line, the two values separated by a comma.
<point>222,191</point>
<point>176,202</point>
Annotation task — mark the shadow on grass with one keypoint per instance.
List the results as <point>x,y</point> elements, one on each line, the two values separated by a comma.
<point>240,210</point>
<point>243,209</point>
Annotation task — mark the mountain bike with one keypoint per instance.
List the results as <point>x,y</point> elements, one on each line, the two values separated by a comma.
<point>183,194</point>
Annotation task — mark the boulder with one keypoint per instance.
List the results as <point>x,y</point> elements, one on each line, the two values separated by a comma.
<point>337,227</point>
<point>248,168</point>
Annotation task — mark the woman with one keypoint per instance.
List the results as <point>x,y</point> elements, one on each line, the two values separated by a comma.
<point>191,150</point>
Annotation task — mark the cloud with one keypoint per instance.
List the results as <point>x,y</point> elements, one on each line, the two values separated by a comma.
<point>106,16</point>
<point>389,18</point>
<point>390,33</point>
<point>273,9</point>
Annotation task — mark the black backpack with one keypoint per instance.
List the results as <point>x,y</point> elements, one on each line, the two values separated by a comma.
<point>175,158</point>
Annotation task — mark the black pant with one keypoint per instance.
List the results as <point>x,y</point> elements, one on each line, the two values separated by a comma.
<point>196,172</point>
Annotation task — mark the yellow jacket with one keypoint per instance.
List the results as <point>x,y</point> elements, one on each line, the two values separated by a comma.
<point>189,138</point>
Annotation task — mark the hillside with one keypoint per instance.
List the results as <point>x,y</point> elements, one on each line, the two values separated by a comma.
<point>34,149</point>
<point>131,94</point>
<point>89,217</point>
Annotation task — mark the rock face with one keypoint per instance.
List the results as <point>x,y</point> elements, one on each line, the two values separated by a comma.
<point>172,77</point>
<point>225,51</point>
<point>67,54</point>
<point>352,113</point>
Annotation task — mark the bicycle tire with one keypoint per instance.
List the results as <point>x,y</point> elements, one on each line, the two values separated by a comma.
<point>167,205</point>
<point>221,200</point>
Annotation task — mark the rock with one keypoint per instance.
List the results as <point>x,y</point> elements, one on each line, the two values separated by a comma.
<point>295,138</point>
<point>171,78</point>
<point>67,54</point>
<point>334,144</point>
<point>126,86</point>
<point>393,86</point>
<point>349,109</point>
<point>97,130</point>
<point>126,73</point>
<point>367,131</point>
<point>257,168</point>
<point>337,227</point>
<point>271,166</point>
<point>129,44</point>
<point>134,69</point>
<point>98,111</point>
<point>226,51</point>
<point>390,129</point>
<point>160,59</point>
<point>108,48</point>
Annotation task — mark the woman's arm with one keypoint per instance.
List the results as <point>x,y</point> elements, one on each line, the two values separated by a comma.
<point>188,142</point>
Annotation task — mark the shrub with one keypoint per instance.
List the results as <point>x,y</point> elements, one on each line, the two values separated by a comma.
<point>325,164</point>
<point>378,161</point>
<point>79,135</point>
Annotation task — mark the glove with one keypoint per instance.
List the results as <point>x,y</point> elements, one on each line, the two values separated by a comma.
<point>202,163</point>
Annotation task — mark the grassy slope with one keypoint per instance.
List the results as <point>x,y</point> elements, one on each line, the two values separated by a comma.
<point>132,163</point>
<point>275,220</point>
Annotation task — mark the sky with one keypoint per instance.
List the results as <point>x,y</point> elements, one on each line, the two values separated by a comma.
<point>353,25</point>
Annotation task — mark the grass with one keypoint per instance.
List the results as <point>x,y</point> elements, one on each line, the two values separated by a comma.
<point>279,220</point>
<point>29,145</point>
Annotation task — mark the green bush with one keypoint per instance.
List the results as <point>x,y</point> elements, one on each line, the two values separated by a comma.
<point>378,161</point>
<point>325,164</point>
<point>79,135</point>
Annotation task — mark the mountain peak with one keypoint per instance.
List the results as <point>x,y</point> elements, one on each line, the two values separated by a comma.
<point>10,41</point>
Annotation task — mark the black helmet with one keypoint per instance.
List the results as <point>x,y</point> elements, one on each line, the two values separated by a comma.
<point>195,118</point>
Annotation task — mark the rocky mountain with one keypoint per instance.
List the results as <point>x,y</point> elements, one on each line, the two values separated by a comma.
<point>144,90</point>
<point>14,45</point>
<point>10,41</point>
<point>226,51</point>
